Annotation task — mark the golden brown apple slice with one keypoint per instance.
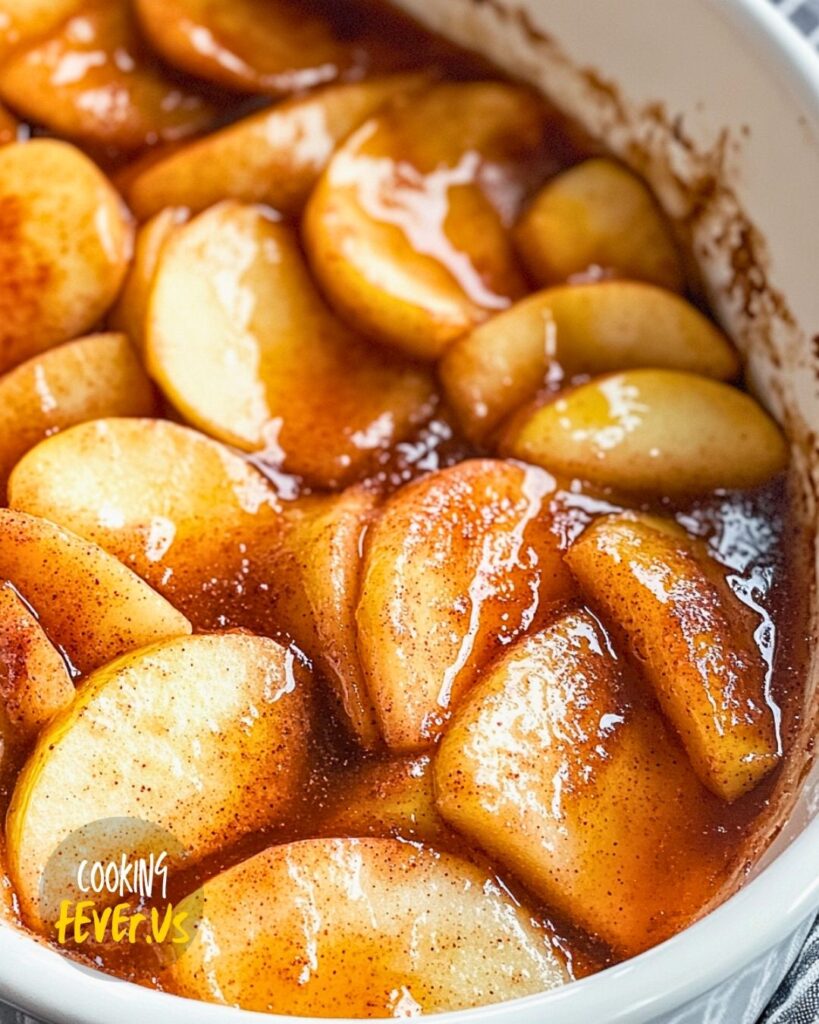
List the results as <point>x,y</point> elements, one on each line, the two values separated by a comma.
<point>320,560</point>
<point>66,245</point>
<point>554,770</point>
<point>264,46</point>
<point>130,313</point>
<point>90,605</point>
<point>273,157</point>
<point>205,737</point>
<point>187,514</point>
<point>407,228</point>
<point>361,928</point>
<point>389,798</point>
<point>571,331</point>
<point>456,566</point>
<point>81,380</point>
<point>654,432</point>
<point>598,216</point>
<point>34,679</point>
<point>693,641</point>
<point>93,79</point>
<point>242,344</point>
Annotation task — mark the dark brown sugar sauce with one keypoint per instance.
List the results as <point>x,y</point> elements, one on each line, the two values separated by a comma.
<point>755,535</point>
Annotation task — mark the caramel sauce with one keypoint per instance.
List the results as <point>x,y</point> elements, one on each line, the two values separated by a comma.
<point>756,536</point>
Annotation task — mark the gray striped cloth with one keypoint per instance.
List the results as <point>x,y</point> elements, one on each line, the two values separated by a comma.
<point>797,999</point>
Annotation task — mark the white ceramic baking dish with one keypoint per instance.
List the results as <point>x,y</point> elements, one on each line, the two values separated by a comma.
<point>717,103</point>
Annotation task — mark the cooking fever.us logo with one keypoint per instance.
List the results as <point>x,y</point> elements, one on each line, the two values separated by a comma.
<point>107,885</point>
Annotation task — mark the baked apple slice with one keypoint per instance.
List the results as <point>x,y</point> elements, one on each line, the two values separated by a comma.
<point>317,568</point>
<point>264,46</point>
<point>273,157</point>
<point>181,510</point>
<point>81,380</point>
<point>242,344</point>
<point>692,639</point>
<point>130,312</point>
<point>66,245</point>
<point>456,566</point>
<point>595,217</point>
<point>407,228</point>
<point>91,606</point>
<point>389,798</point>
<point>204,737</point>
<point>92,79</point>
<point>653,432</point>
<point>361,928</point>
<point>563,334</point>
<point>559,774</point>
<point>34,680</point>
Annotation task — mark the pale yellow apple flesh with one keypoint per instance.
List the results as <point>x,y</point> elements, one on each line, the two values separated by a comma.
<point>253,357</point>
<point>594,217</point>
<point>653,432</point>
<point>694,643</point>
<point>66,245</point>
<point>361,928</point>
<point>558,771</point>
<point>205,737</point>
<point>456,566</point>
<point>562,334</point>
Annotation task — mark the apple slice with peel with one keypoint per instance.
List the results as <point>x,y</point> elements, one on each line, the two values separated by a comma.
<point>204,737</point>
<point>66,245</point>
<point>81,380</point>
<point>652,432</point>
<point>34,680</point>
<point>407,228</point>
<point>90,605</point>
<point>598,216</point>
<point>242,344</point>
<point>274,156</point>
<point>187,514</point>
<point>389,798</point>
<point>456,566</point>
<point>91,78</point>
<point>554,769</point>
<point>130,312</point>
<point>361,928</point>
<point>568,332</point>
<point>693,640</point>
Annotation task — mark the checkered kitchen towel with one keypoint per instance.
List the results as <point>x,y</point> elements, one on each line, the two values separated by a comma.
<point>797,1000</point>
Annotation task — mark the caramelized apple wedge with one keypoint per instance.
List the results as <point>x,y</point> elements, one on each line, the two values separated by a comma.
<point>654,432</point>
<point>205,737</point>
<point>456,566</point>
<point>693,640</point>
<point>90,605</point>
<point>598,216</point>
<point>130,312</point>
<point>320,560</point>
<point>66,245</point>
<point>553,769</point>
<point>81,380</point>
<point>93,80</point>
<point>389,798</point>
<point>34,679</point>
<point>180,509</point>
<point>568,332</point>
<point>407,228</point>
<point>242,344</point>
<point>273,157</point>
<point>403,931</point>
<point>265,46</point>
